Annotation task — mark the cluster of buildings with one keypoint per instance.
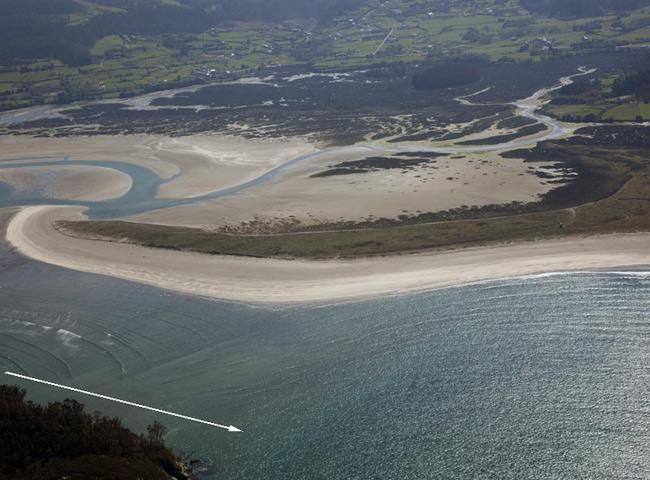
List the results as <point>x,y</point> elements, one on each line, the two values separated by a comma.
<point>538,45</point>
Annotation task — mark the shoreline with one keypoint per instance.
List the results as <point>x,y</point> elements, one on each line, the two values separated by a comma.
<point>273,281</point>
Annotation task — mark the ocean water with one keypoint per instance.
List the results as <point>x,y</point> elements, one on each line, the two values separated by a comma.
<point>538,378</point>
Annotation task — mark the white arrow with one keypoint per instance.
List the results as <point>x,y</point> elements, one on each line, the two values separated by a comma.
<point>230,428</point>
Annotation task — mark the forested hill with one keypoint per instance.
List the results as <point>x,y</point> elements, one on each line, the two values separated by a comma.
<point>63,51</point>
<point>67,29</point>
<point>60,441</point>
<point>277,10</point>
<point>46,28</point>
<point>582,8</point>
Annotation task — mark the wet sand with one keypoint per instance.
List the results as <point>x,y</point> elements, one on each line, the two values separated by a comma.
<point>74,182</point>
<point>205,162</point>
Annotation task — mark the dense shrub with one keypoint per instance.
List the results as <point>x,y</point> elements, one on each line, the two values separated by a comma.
<point>41,443</point>
<point>445,76</point>
<point>633,83</point>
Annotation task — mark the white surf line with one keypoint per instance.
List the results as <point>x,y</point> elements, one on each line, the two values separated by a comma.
<point>229,428</point>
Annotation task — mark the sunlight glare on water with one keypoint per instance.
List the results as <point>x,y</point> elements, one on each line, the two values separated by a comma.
<point>540,378</point>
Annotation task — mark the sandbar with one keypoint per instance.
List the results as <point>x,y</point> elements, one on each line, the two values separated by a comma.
<point>73,182</point>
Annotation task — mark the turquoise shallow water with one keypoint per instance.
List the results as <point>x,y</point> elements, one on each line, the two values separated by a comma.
<point>541,378</point>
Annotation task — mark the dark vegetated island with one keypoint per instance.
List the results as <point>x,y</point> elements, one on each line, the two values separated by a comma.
<point>371,164</point>
<point>62,441</point>
<point>446,76</point>
<point>336,110</point>
<point>498,139</point>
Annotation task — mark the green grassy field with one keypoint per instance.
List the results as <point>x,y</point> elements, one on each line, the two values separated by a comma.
<point>628,111</point>
<point>604,109</point>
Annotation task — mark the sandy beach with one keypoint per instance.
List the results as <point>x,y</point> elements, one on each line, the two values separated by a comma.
<point>278,281</point>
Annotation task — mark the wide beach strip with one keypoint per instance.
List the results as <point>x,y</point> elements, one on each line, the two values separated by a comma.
<point>269,280</point>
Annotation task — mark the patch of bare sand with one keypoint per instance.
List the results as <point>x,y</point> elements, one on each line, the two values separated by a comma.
<point>211,163</point>
<point>266,280</point>
<point>74,182</point>
<point>449,182</point>
<point>135,149</point>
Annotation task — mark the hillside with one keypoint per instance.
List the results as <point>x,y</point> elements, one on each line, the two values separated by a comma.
<point>60,440</point>
<point>59,51</point>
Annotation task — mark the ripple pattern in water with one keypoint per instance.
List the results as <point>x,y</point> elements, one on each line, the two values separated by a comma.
<point>541,378</point>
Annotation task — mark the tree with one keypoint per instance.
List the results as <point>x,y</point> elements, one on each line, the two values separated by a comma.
<point>60,439</point>
<point>156,432</point>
